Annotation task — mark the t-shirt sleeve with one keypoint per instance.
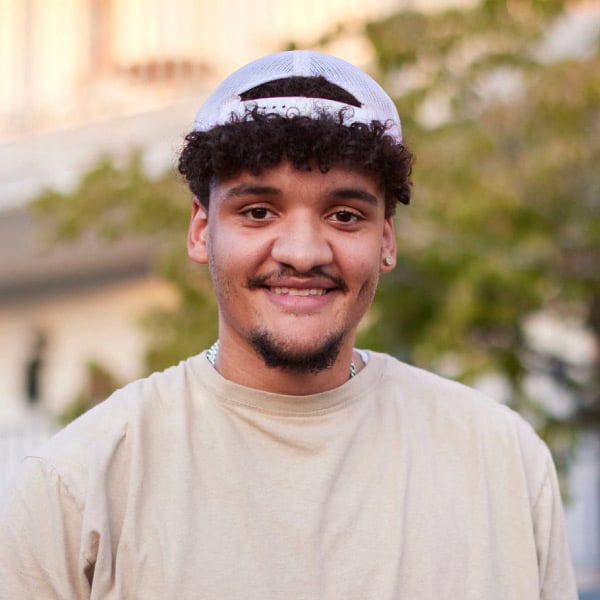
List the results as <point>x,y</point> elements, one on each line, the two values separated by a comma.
<point>40,538</point>
<point>557,581</point>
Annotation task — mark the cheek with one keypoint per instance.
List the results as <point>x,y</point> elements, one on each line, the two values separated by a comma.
<point>225,250</point>
<point>232,260</point>
<point>361,261</point>
<point>365,277</point>
<point>369,286</point>
<point>220,268</point>
<point>233,248</point>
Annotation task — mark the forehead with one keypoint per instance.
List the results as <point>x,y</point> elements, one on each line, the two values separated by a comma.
<point>285,179</point>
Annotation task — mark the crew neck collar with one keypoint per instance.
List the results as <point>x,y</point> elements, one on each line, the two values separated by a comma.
<point>229,392</point>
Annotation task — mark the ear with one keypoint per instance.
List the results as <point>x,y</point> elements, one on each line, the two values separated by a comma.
<point>388,246</point>
<point>198,234</point>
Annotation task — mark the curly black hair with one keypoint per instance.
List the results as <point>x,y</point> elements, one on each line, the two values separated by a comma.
<point>259,141</point>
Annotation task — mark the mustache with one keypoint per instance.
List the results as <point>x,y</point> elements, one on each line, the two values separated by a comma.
<point>260,280</point>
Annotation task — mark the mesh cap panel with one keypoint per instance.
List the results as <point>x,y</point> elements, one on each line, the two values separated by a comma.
<point>225,101</point>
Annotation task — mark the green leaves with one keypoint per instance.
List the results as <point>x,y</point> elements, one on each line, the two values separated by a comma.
<point>506,214</point>
<point>115,201</point>
<point>119,201</point>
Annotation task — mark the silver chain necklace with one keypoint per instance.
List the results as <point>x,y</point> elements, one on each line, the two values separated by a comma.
<point>211,356</point>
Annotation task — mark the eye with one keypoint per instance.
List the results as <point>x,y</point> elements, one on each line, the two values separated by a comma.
<point>345,216</point>
<point>258,213</point>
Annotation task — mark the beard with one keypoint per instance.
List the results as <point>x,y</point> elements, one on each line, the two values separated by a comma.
<point>276,356</point>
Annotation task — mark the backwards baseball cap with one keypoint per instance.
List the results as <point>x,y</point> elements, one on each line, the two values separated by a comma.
<point>226,100</point>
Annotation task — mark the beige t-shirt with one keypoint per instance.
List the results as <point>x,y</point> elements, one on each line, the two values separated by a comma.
<point>396,485</point>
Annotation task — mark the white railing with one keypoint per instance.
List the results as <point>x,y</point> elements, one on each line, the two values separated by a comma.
<point>583,512</point>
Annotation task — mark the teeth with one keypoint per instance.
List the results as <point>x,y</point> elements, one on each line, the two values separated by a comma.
<point>299,292</point>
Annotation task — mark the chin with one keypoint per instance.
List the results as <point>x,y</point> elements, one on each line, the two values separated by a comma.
<point>301,358</point>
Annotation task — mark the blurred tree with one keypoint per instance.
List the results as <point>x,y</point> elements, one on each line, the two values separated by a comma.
<point>114,201</point>
<point>506,217</point>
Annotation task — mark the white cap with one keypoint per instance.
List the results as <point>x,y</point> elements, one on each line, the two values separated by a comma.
<point>225,101</point>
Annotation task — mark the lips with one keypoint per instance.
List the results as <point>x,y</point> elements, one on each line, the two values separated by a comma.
<point>288,283</point>
<point>299,293</point>
<point>300,299</point>
<point>290,291</point>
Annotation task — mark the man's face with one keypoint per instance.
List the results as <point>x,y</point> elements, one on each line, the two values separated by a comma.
<point>294,258</point>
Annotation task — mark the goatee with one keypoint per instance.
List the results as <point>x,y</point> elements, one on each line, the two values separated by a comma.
<point>314,361</point>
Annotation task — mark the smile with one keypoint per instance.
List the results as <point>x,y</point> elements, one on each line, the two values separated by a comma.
<point>299,291</point>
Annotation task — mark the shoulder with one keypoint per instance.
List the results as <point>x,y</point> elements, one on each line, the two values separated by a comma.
<point>100,442</point>
<point>432,393</point>
<point>463,420</point>
<point>109,420</point>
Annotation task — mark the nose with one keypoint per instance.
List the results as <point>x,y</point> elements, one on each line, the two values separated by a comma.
<point>302,245</point>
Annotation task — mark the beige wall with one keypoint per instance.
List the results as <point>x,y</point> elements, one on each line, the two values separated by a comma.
<point>42,56</point>
<point>100,324</point>
<point>66,61</point>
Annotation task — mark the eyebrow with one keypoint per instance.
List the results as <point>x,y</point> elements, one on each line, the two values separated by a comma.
<point>249,189</point>
<point>354,193</point>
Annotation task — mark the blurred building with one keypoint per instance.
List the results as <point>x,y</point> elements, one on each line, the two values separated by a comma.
<point>66,61</point>
<point>82,78</point>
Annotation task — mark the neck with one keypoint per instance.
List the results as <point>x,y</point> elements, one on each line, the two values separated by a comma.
<point>248,368</point>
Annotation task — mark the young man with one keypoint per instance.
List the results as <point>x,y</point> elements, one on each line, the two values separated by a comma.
<point>283,462</point>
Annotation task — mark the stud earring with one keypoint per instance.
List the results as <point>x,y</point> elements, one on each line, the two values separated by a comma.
<point>388,261</point>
